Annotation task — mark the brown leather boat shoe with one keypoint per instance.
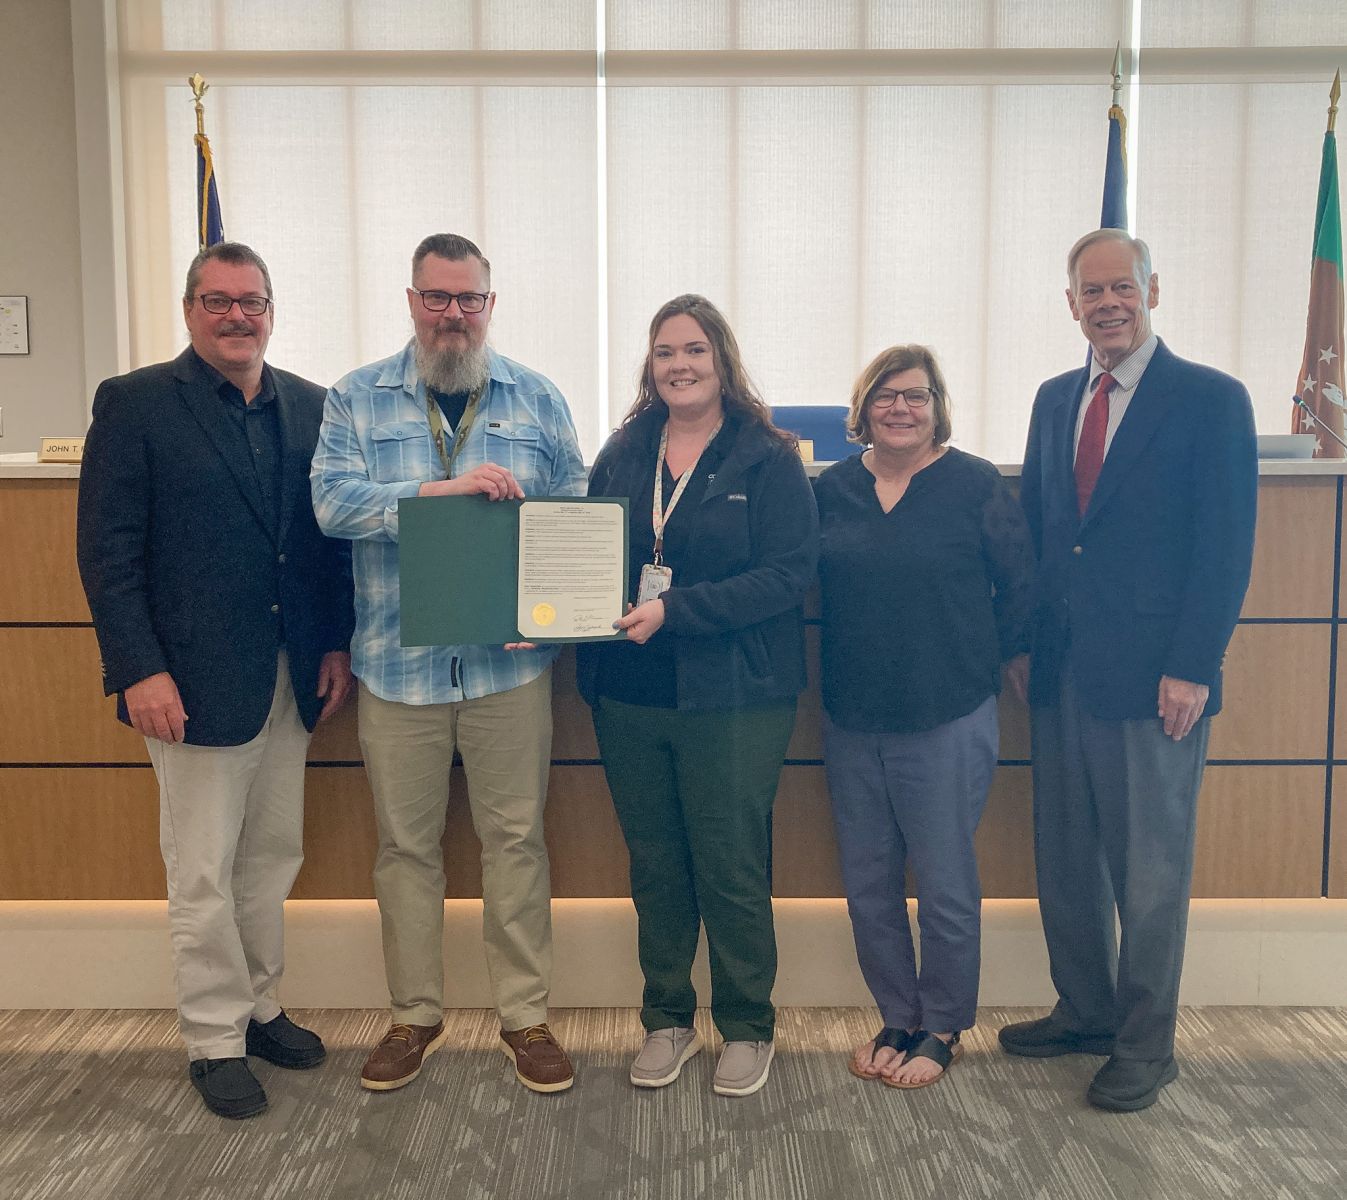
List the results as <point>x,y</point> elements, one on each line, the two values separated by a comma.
<point>397,1060</point>
<point>540,1063</point>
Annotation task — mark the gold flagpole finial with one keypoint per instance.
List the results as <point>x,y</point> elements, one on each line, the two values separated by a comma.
<point>1117,75</point>
<point>199,88</point>
<point>1334,95</point>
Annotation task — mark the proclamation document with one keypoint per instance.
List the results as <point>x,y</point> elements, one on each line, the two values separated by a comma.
<point>572,568</point>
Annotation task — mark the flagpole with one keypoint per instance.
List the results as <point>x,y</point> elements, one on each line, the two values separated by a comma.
<point>1321,405</point>
<point>210,225</point>
<point>199,89</point>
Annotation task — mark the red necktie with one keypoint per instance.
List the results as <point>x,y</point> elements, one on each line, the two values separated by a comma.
<point>1090,451</point>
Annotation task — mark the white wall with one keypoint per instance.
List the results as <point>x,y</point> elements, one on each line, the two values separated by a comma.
<point>42,394</point>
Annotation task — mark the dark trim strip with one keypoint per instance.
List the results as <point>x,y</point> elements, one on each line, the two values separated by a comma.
<point>46,624</point>
<point>1332,693</point>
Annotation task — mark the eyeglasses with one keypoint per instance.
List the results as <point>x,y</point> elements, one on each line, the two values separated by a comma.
<point>468,302</point>
<point>915,397</point>
<point>219,304</point>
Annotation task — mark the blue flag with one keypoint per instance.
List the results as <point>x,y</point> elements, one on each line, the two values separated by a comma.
<point>1114,213</point>
<point>209,225</point>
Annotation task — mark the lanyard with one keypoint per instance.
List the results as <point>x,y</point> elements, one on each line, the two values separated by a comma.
<point>658,513</point>
<point>460,434</point>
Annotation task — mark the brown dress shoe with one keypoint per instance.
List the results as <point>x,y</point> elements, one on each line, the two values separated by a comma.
<point>540,1064</point>
<point>396,1061</point>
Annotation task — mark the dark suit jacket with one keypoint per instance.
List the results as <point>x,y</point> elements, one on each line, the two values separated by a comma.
<point>1150,581</point>
<point>178,561</point>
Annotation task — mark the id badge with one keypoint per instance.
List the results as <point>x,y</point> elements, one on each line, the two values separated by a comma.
<point>655,581</point>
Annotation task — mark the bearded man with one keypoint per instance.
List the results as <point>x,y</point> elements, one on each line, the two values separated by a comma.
<point>447,416</point>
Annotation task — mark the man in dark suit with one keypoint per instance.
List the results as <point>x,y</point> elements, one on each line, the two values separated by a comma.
<point>1140,481</point>
<point>224,619</point>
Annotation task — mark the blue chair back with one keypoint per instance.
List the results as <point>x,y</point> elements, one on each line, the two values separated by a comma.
<point>823,424</point>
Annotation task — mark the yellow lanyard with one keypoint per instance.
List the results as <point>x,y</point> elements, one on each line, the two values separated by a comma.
<point>448,459</point>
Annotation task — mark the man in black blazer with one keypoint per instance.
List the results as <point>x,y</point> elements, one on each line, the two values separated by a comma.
<point>1140,482</point>
<point>224,620</point>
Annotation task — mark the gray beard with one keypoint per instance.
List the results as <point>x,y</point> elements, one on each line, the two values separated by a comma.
<point>452,371</point>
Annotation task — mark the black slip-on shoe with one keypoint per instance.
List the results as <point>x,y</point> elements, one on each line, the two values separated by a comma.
<point>284,1043</point>
<point>1047,1038</point>
<point>1129,1084</point>
<point>228,1087</point>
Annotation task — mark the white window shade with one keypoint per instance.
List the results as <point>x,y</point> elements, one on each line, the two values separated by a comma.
<point>838,175</point>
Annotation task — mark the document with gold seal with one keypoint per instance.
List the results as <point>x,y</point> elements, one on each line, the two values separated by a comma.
<point>543,569</point>
<point>572,568</point>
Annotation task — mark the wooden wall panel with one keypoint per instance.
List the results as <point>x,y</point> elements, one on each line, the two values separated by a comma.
<point>1337,842</point>
<point>584,840</point>
<point>804,846</point>
<point>1340,708</point>
<point>1260,832</point>
<point>335,739</point>
<point>1005,838</point>
<point>339,835</point>
<point>40,580</point>
<point>572,726</point>
<point>588,855</point>
<point>80,833</point>
<point>52,707</point>
<point>1293,548</point>
<point>806,740</point>
<point>1276,694</point>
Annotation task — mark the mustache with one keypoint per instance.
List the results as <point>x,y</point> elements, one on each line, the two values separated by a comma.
<point>233,327</point>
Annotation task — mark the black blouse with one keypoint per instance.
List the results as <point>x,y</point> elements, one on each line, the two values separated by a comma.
<point>921,604</point>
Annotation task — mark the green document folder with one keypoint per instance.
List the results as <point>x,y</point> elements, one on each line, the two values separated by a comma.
<point>458,569</point>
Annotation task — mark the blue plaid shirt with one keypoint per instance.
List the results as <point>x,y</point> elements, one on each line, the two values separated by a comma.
<point>375,448</point>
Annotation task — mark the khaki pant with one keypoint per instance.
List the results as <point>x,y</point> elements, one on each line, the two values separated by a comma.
<point>506,743</point>
<point>231,828</point>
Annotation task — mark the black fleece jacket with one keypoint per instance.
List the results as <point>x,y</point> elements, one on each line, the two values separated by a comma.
<point>734,612</point>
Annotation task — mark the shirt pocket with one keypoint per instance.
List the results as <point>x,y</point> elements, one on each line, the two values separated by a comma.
<point>518,448</point>
<point>399,451</point>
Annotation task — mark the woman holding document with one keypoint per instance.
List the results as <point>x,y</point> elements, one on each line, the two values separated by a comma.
<point>695,708</point>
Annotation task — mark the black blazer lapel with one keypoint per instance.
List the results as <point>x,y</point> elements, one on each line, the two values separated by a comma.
<point>293,438</point>
<point>210,414</point>
<point>1147,409</point>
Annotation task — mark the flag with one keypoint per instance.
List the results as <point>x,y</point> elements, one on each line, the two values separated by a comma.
<point>1320,384</point>
<point>1114,213</point>
<point>209,225</point>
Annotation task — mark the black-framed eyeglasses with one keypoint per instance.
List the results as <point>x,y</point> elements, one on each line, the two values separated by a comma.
<point>918,397</point>
<point>219,304</point>
<point>468,302</point>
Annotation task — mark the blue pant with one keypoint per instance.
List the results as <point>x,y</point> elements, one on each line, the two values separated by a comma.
<point>901,798</point>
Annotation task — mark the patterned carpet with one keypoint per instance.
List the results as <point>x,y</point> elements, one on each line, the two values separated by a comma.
<point>97,1106</point>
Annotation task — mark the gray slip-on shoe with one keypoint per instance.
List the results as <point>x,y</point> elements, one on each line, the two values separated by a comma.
<point>663,1055</point>
<point>743,1068</point>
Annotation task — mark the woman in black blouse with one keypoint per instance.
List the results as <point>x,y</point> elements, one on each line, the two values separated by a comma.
<point>925,569</point>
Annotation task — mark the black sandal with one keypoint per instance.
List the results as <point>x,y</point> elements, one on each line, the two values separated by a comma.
<point>926,1045</point>
<point>887,1038</point>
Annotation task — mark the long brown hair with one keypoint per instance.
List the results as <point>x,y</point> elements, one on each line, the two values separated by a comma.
<point>737,391</point>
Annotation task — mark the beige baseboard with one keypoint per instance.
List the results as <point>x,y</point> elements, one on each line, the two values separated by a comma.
<point>114,954</point>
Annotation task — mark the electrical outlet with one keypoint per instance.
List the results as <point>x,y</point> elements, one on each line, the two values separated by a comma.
<point>2,422</point>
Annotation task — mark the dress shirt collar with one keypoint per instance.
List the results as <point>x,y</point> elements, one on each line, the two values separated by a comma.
<point>1127,374</point>
<point>219,384</point>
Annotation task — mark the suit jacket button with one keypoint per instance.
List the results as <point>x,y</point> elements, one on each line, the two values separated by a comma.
<point>275,608</point>
<point>1077,550</point>
<point>281,560</point>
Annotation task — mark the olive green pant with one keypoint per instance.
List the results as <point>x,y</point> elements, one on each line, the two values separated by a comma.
<point>694,792</point>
